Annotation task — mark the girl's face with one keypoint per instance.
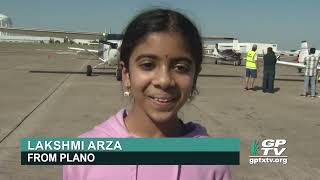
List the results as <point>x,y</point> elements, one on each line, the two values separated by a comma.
<point>161,76</point>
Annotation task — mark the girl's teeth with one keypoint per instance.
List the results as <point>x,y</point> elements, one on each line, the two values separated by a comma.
<point>162,100</point>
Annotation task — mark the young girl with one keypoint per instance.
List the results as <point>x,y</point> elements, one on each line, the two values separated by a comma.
<point>160,57</point>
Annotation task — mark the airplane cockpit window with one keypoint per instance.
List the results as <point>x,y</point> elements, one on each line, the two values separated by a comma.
<point>114,45</point>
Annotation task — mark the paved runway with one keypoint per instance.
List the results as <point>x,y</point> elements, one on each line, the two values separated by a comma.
<point>44,93</point>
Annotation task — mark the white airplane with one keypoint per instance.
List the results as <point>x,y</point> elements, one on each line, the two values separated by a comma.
<point>230,55</point>
<point>108,53</point>
<point>303,52</point>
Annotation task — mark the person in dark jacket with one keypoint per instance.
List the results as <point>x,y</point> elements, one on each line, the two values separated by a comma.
<point>269,71</point>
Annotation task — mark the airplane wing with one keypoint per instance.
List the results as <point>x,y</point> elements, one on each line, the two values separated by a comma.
<point>299,65</point>
<point>93,52</point>
<point>212,38</point>
<point>53,33</point>
<point>80,35</point>
<point>289,53</point>
<point>81,49</point>
<point>214,56</point>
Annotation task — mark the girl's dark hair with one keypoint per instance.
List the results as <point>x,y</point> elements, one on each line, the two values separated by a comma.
<point>161,20</point>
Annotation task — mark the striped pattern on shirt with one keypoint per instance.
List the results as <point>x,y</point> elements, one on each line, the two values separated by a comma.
<point>311,62</point>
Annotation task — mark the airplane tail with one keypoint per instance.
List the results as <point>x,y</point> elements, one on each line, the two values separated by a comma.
<point>216,54</point>
<point>304,51</point>
<point>236,45</point>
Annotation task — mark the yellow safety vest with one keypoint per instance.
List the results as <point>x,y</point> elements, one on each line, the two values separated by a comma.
<point>251,63</point>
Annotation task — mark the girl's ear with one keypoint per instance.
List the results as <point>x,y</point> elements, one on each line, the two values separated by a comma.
<point>125,75</point>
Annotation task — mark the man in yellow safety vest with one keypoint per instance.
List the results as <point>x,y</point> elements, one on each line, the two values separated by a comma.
<point>251,67</point>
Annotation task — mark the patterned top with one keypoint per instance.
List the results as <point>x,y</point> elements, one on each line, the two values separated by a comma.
<point>311,62</point>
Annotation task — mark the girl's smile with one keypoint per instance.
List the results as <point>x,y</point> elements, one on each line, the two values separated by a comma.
<point>163,103</point>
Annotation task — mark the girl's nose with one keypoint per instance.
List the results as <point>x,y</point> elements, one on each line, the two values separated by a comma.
<point>163,78</point>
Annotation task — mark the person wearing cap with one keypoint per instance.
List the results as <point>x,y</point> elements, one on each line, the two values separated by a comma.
<point>251,67</point>
<point>269,69</point>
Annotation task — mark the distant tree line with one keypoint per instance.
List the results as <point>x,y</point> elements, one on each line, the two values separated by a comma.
<point>65,41</point>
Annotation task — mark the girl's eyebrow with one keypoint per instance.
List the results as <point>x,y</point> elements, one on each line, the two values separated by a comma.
<point>153,56</point>
<point>149,56</point>
<point>183,58</point>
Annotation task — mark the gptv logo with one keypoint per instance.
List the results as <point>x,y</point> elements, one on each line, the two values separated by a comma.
<point>272,151</point>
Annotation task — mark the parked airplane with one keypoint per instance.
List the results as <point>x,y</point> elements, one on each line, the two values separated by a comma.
<point>108,52</point>
<point>228,55</point>
<point>303,52</point>
<point>108,43</point>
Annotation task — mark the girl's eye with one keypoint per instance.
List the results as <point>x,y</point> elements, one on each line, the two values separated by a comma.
<point>147,66</point>
<point>182,68</point>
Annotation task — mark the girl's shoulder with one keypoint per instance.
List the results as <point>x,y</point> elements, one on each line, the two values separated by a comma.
<point>112,127</point>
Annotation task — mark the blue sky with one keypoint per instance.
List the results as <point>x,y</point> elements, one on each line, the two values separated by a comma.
<point>285,22</point>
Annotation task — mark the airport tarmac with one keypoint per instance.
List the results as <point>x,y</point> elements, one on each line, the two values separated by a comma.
<point>44,94</point>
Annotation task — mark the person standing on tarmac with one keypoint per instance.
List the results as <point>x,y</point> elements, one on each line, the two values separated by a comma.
<point>269,69</point>
<point>251,68</point>
<point>310,74</point>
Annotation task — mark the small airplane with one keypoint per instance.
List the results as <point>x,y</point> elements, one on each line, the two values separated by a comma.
<point>108,53</point>
<point>228,55</point>
<point>109,44</point>
<point>303,52</point>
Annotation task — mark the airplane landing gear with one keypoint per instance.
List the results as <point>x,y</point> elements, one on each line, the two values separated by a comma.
<point>237,63</point>
<point>89,70</point>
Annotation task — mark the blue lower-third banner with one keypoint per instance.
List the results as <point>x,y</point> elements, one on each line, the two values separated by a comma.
<point>128,151</point>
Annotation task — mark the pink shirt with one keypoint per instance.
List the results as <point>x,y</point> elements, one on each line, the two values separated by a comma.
<point>115,127</point>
